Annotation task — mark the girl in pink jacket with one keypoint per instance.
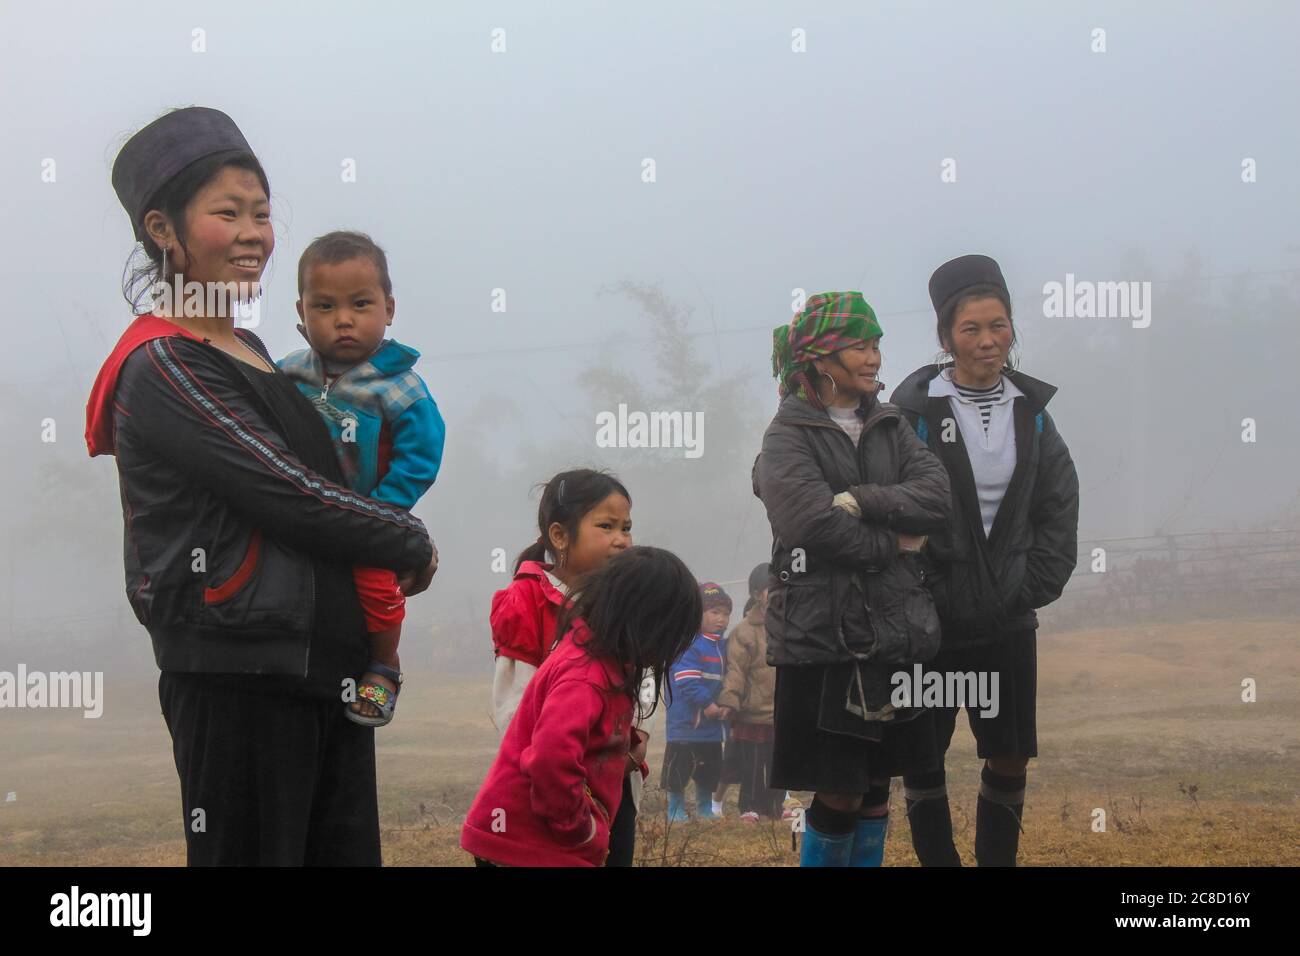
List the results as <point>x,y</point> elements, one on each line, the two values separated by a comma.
<point>555,786</point>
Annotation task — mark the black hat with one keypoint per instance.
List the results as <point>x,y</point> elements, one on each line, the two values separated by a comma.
<point>758,578</point>
<point>166,146</point>
<point>962,273</point>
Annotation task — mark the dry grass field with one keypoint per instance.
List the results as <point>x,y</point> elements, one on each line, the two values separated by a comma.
<point>1146,723</point>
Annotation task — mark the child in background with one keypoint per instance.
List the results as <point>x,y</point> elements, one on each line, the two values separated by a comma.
<point>746,700</point>
<point>559,777</point>
<point>791,806</point>
<point>584,519</point>
<point>385,425</point>
<point>695,728</point>
<point>729,770</point>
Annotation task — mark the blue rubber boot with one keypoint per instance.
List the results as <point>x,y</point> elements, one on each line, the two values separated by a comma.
<point>704,804</point>
<point>677,807</point>
<point>823,849</point>
<point>869,841</point>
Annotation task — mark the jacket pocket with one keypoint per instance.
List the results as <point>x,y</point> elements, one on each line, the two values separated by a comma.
<point>241,576</point>
<point>270,587</point>
<point>1011,580</point>
<point>599,808</point>
<point>800,622</point>
<point>903,615</point>
<point>922,624</point>
<point>597,845</point>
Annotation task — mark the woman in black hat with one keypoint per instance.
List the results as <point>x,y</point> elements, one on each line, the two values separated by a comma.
<point>240,534</point>
<point>1009,548</point>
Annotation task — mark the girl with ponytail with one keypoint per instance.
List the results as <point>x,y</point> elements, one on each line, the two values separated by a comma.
<point>584,519</point>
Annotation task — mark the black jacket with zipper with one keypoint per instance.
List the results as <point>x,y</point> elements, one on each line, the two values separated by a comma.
<point>231,530</point>
<point>840,589</point>
<point>985,586</point>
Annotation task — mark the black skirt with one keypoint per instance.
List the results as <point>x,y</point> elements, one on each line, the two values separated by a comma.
<point>806,757</point>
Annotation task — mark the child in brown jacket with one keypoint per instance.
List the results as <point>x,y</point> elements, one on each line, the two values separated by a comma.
<point>746,700</point>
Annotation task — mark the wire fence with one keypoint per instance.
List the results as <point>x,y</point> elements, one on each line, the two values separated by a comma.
<point>1181,575</point>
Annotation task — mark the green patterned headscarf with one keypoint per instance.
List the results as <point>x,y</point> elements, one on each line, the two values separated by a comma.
<point>829,322</point>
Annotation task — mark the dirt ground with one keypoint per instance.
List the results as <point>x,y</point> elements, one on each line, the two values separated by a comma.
<point>1147,724</point>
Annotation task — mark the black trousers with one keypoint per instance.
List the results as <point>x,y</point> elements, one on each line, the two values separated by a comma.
<point>686,760</point>
<point>269,778</point>
<point>755,772</point>
<point>622,832</point>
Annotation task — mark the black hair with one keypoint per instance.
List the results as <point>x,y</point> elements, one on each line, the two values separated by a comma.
<point>759,577</point>
<point>335,247</point>
<point>643,608</point>
<point>947,314</point>
<point>568,498</point>
<point>171,199</point>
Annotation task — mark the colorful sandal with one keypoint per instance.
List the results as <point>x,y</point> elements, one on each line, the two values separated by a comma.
<point>377,694</point>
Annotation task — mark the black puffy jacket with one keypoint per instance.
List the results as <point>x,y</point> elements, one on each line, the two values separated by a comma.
<point>231,531</point>
<point>840,591</point>
<point>984,587</point>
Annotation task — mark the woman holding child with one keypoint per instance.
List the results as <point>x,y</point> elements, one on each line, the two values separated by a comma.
<point>240,532</point>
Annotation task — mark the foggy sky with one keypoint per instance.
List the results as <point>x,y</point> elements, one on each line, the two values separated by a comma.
<point>775,171</point>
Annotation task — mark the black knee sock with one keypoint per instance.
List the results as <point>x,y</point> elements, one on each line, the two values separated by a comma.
<point>877,796</point>
<point>930,819</point>
<point>828,820</point>
<point>997,818</point>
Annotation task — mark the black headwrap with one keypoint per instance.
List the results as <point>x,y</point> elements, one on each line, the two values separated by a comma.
<point>166,146</point>
<point>962,273</point>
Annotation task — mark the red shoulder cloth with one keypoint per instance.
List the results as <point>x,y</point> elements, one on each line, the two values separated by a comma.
<point>99,408</point>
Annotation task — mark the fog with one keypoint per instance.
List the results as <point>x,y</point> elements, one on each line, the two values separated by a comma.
<point>901,135</point>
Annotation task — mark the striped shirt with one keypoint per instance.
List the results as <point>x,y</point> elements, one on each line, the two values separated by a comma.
<point>985,398</point>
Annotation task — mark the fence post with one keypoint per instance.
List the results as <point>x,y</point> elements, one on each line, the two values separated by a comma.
<point>1175,579</point>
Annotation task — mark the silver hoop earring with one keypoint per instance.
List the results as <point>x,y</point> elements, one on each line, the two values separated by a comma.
<point>162,280</point>
<point>834,388</point>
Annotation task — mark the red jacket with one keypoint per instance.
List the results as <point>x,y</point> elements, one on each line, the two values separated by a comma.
<point>524,615</point>
<point>561,763</point>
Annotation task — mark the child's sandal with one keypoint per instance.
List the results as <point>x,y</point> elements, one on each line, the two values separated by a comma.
<point>379,695</point>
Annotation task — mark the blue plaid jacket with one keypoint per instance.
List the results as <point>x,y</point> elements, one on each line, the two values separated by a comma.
<point>382,394</point>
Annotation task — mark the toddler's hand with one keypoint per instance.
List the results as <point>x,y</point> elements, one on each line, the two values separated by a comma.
<point>413,582</point>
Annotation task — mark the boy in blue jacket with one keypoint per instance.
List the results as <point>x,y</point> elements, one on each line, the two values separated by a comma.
<point>695,728</point>
<point>386,428</point>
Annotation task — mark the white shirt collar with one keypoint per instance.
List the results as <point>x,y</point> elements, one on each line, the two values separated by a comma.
<point>942,386</point>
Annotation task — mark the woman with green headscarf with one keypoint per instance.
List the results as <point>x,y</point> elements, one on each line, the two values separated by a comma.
<point>850,492</point>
